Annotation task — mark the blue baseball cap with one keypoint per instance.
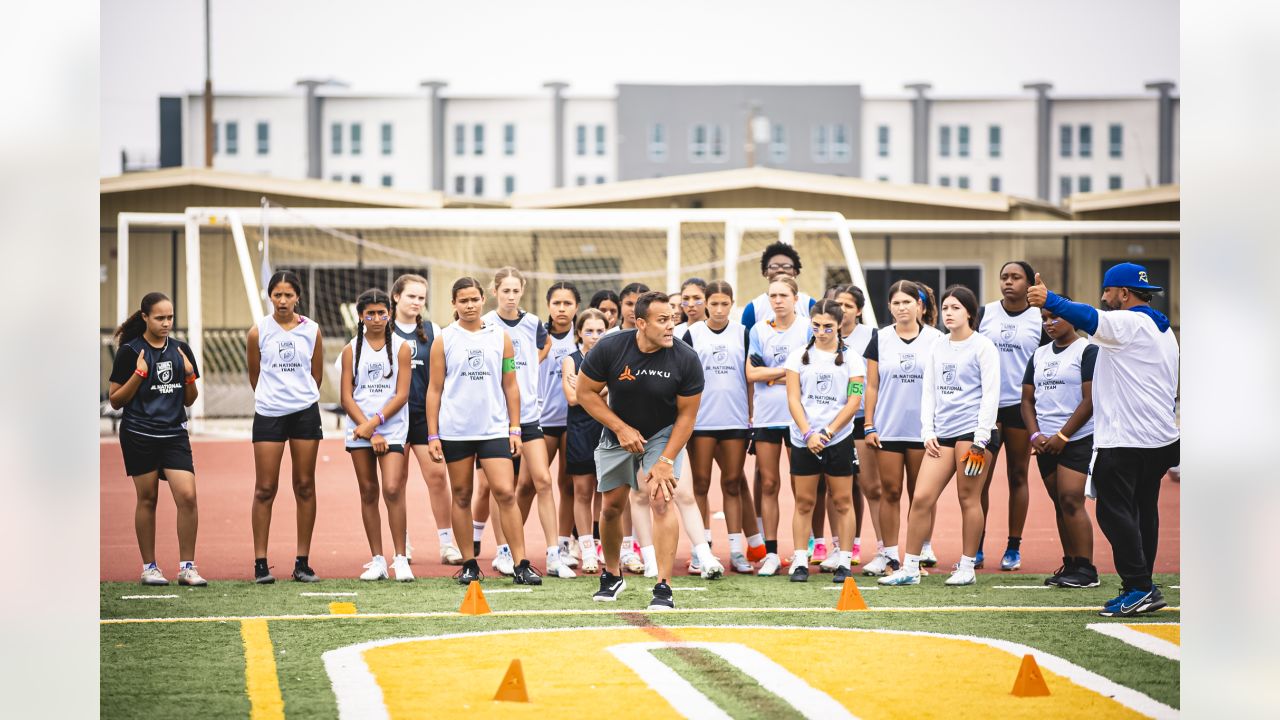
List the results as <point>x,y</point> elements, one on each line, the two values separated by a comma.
<point>1128,275</point>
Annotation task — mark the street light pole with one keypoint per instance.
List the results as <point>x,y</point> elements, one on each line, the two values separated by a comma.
<point>208,93</point>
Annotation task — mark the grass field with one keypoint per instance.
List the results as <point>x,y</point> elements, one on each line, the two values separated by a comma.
<point>205,652</point>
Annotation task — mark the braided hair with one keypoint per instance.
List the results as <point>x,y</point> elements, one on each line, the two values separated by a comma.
<point>562,285</point>
<point>397,288</point>
<point>134,326</point>
<point>373,296</point>
<point>832,308</point>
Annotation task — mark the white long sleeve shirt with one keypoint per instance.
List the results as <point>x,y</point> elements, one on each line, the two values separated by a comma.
<point>961,389</point>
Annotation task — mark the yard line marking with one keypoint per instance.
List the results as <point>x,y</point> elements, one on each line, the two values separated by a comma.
<point>146,597</point>
<point>692,589</point>
<point>509,590</point>
<point>1022,587</point>
<point>590,611</point>
<point>1175,587</point>
<point>332,594</point>
<point>860,587</point>
<point>1150,643</point>
<point>260,679</point>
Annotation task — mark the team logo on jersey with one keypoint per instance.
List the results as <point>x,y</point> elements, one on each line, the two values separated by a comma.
<point>1008,331</point>
<point>413,348</point>
<point>164,371</point>
<point>780,354</point>
<point>475,359</point>
<point>1051,370</point>
<point>824,383</point>
<point>720,354</point>
<point>907,361</point>
<point>626,374</point>
<point>374,369</point>
<point>948,373</point>
<point>286,350</point>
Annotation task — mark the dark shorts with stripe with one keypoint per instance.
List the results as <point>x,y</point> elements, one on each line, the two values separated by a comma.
<point>838,460</point>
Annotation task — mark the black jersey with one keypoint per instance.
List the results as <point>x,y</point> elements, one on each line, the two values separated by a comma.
<point>157,409</point>
<point>421,364</point>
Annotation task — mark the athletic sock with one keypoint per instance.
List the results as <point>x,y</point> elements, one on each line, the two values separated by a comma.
<point>759,524</point>
<point>771,547</point>
<point>627,543</point>
<point>879,546</point>
<point>846,559</point>
<point>477,531</point>
<point>911,563</point>
<point>446,536</point>
<point>648,555</point>
<point>1015,543</point>
<point>982,540</point>
<point>927,547</point>
<point>186,564</point>
<point>258,564</point>
<point>553,554</point>
<point>835,543</point>
<point>504,549</point>
<point>706,535</point>
<point>891,552</point>
<point>300,561</point>
<point>587,544</point>
<point>735,543</point>
<point>148,566</point>
<point>966,562</point>
<point>702,551</point>
<point>800,559</point>
<point>755,540</point>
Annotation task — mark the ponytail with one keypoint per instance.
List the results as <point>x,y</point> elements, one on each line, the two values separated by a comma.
<point>134,325</point>
<point>804,359</point>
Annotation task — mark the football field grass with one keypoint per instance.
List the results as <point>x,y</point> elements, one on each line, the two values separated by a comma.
<point>235,649</point>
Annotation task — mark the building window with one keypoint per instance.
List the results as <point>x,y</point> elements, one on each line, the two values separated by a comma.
<point>599,140</point>
<point>962,182</point>
<point>995,183</point>
<point>216,148</point>
<point>1085,184</point>
<point>821,149</point>
<point>509,139</point>
<point>336,177</point>
<point>233,137</point>
<point>459,139</point>
<point>962,141</point>
<point>264,138</point>
<point>335,138</point>
<point>1114,182</point>
<point>1115,138</point>
<point>356,179</point>
<point>509,184</point>
<point>459,183</point>
<point>698,143</point>
<point>883,178</point>
<point>993,141</point>
<point>357,135</point>
<point>1086,141</point>
<point>882,141</point>
<point>580,180</point>
<point>477,184</point>
<point>718,143</point>
<point>840,149</point>
<point>580,137</point>
<point>477,140</point>
<point>944,180</point>
<point>599,179</point>
<point>386,138</point>
<point>1064,187</point>
<point>658,143</point>
<point>944,141</point>
<point>1064,141</point>
<point>778,150</point>
<point>386,181</point>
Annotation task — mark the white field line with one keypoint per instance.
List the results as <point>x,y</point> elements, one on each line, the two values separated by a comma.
<point>860,587</point>
<point>1022,587</point>
<point>684,698</point>
<point>1141,640</point>
<point>690,589</point>
<point>330,594</point>
<point>589,611</point>
<point>147,597</point>
<point>508,590</point>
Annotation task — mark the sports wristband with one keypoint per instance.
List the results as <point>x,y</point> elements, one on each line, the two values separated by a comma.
<point>808,434</point>
<point>1064,437</point>
<point>191,379</point>
<point>508,365</point>
<point>868,429</point>
<point>515,431</point>
<point>140,373</point>
<point>381,418</point>
<point>667,460</point>
<point>1035,435</point>
<point>432,438</point>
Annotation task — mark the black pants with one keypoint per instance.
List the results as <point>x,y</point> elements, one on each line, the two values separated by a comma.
<point>1127,483</point>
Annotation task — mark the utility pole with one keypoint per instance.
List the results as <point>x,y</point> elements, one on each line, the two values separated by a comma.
<point>751,138</point>
<point>208,93</point>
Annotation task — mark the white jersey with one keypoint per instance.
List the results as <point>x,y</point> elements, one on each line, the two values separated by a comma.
<point>525,334</point>
<point>760,310</point>
<point>1135,383</point>
<point>1058,375</point>
<point>824,389</point>
<point>962,389</point>
<point>900,381</point>
<point>680,330</point>
<point>285,383</point>
<point>1016,337</point>
<point>723,356</point>
<point>774,346</point>
<point>555,408</point>
<point>374,386</point>
<point>472,403</point>
<point>856,343</point>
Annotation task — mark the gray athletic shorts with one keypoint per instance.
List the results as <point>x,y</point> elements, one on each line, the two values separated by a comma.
<point>616,467</point>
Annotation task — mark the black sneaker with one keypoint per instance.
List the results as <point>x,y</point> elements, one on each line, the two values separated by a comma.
<point>662,599</point>
<point>1066,567</point>
<point>304,573</point>
<point>262,573</point>
<point>469,573</point>
<point>799,573</point>
<point>1080,576</point>
<point>842,573</point>
<point>611,586</point>
<point>526,575</point>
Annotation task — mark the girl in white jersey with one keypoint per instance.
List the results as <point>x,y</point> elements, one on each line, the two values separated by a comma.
<point>473,412</point>
<point>409,293</point>
<point>1057,406</point>
<point>285,357</point>
<point>824,390</point>
<point>957,416</point>
<point>895,385</point>
<point>562,305</point>
<point>771,343</point>
<point>1014,326</point>
<point>692,304</point>
<point>376,370</point>
<point>722,429</point>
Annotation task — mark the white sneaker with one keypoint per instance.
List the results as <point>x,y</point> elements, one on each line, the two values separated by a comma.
<point>631,562</point>
<point>651,569</point>
<point>901,577</point>
<point>927,558</point>
<point>713,570</point>
<point>408,549</point>
<point>376,569</point>
<point>961,576</point>
<point>189,577</point>
<point>151,575</point>
<point>877,567</point>
<point>590,566</point>
<point>770,565</point>
<point>567,557</point>
<point>504,564</point>
<point>449,554</point>
<point>400,565</point>
<point>831,563</point>
<point>695,566</point>
<point>740,563</point>
<point>557,567</point>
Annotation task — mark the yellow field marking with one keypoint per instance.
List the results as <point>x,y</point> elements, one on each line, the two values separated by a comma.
<point>342,608</point>
<point>260,679</point>
<point>1163,639</point>
<point>589,611</point>
<point>1168,632</point>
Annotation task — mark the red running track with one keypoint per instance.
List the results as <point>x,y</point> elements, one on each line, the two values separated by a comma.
<point>224,478</point>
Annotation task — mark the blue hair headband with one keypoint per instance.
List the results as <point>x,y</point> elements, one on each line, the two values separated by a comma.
<point>923,298</point>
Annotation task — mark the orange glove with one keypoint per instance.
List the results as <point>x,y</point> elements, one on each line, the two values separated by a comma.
<point>976,461</point>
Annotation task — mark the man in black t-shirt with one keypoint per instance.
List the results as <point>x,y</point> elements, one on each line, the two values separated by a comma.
<point>655,385</point>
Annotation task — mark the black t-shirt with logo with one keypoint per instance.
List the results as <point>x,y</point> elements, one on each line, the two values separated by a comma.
<point>643,386</point>
<point>157,408</point>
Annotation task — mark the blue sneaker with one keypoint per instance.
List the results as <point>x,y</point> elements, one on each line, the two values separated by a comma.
<point>1012,560</point>
<point>977,561</point>
<point>1134,602</point>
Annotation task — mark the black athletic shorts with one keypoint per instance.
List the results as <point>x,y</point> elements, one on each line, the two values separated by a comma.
<point>734,434</point>
<point>392,448</point>
<point>1075,456</point>
<point>530,431</point>
<point>455,450</point>
<point>1011,417</point>
<point>555,431</point>
<point>900,446</point>
<point>776,435</point>
<point>860,428</point>
<point>951,441</point>
<point>301,425</point>
<point>144,453</point>
<point>838,460</point>
<point>417,429</point>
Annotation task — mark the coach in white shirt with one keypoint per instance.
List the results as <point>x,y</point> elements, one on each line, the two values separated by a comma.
<point>1135,385</point>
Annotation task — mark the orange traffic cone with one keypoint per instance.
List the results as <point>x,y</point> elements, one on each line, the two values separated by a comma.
<point>1030,682</point>
<point>512,688</point>
<point>474,603</point>
<point>850,597</point>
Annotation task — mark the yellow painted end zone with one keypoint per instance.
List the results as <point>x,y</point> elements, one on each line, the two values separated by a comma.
<point>260,679</point>
<point>1170,633</point>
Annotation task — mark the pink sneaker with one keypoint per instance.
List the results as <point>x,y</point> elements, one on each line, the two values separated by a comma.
<point>819,553</point>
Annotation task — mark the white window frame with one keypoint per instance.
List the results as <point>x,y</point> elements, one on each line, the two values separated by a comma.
<point>1115,148</point>
<point>233,137</point>
<point>387,180</point>
<point>477,140</point>
<point>580,140</point>
<point>699,149</point>
<point>657,142</point>
<point>883,135</point>
<point>459,139</point>
<point>509,185</point>
<point>601,149</point>
<point>718,143</point>
<point>357,139</point>
<point>477,184</point>
<point>262,140</point>
<point>509,139</point>
<point>995,141</point>
<point>962,141</point>
<point>820,143</point>
<point>387,136</point>
<point>335,138</point>
<point>1084,149</point>
<point>779,149</point>
<point>841,147</point>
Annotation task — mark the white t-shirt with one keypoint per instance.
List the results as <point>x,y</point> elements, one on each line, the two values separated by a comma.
<point>1135,383</point>
<point>824,389</point>
<point>1016,337</point>
<point>374,384</point>
<point>774,346</point>
<point>473,405</point>
<point>900,381</point>
<point>285,383</point>
<point>1058,376</point>
<point>962,389</point>
<point>528,336</point>
<point>724,356</point>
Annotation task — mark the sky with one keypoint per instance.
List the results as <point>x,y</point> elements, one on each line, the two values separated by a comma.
<point>989,47</point>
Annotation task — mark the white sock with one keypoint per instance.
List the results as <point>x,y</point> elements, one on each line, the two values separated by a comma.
<point>756,540</point>
<point>148,566</point>
<point>966,562</point>
<point>446,536</point>
<point>564,542</point>
<point>504,549</point>
<point>760,524</point>
<point>477,531</point>
<point>911,563</point>
<point>648,555</point>
<point>706,535</point>
<point>846,559</point>
<point>185,564</point>
<point>735,543</point>
<point>879,546</point>
<point>587,544</point>
<point>800,559</point>
<point>891,552</point>
<point>927,547</point>
<point>627,543</point>
<point>553,554</point>
<point>702,551</point>
<point>835,543</point>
